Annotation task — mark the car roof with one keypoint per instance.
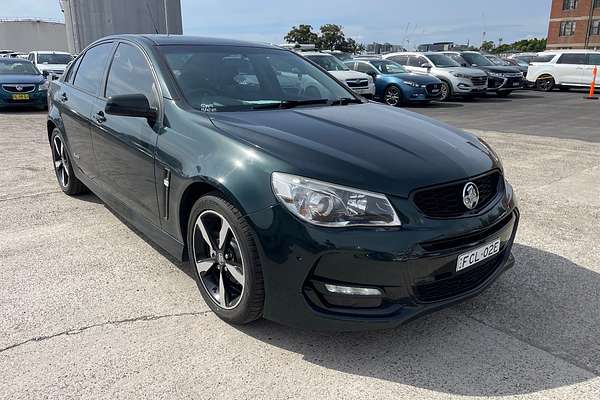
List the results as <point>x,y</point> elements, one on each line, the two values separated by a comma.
<point>50,52</point>
<point>187,40</point>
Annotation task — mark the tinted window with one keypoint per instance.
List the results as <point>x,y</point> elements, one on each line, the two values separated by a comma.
<point>402,60</point>
<point>572,58</point>
<point>91,68</point>
<point>442,61</point>
<point>224,78</point>
<point>413,61</point>
<point>388,67</point>
<point>543,58</point>
<point>594,59</point>
<point>130,74</point>
<point>477,59</point>
<point>24,67</point>
<point>364,67</point>
<point>54,58</point>
<point>329,63</point>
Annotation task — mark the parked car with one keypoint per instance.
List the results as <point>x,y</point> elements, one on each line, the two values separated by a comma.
<point>330,213</point>
<point>524,57</point>
<point>520,64</point>
<point>394,85</point>
<point>502,80</point>
<point>563,69</point>
<point>357,81</point>
<point>456,80</point>
<point>51,63</point>
<point>21,84</point>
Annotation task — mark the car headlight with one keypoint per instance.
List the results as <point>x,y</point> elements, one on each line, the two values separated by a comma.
<point>459,75</point>
<point>44,86</point>
<point>330,205</point>
<point>492,152</point>
<point>414,84</point>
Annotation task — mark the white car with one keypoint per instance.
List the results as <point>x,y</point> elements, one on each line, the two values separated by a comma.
<point>456,80</point>
<point>359,82</point>
<point>50,63</point>
<point>563,69</point>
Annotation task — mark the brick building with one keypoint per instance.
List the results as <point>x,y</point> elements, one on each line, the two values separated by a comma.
<point>574,24</point>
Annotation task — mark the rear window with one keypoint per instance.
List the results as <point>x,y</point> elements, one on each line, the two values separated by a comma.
<point>54,58</point>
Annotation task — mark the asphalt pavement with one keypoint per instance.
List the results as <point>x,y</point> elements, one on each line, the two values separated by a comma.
<point>90,309</point>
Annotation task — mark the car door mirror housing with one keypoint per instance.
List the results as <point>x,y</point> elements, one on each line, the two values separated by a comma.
<point>131,105</point>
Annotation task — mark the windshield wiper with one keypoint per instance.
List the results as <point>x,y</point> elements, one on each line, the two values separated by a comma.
<point>344,101</point>
<point>289,104</point>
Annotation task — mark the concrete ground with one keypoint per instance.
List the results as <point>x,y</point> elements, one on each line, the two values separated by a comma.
<point>89,309</point>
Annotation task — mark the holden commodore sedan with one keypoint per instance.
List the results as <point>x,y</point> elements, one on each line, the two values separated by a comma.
<point>293,199</point>
<point>21,84</point>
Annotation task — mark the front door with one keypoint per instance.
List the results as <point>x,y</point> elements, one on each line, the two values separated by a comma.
<point>570,68</point>
<point>125,146</point>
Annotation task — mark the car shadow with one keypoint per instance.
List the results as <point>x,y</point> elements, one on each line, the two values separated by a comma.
<point>435,104</point>
<point>535,329</point>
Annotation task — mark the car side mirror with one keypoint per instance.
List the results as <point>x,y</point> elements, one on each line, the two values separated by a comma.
<point>131,105</point>
<point>465,65</point>
<point>426,66</point>
<point>45,73</point>
<point>372,73</point>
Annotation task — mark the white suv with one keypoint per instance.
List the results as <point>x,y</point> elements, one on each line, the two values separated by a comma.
<point>456,80</point>
<point>359,82</point>
<point>563,69</point>
<point>50,63</point>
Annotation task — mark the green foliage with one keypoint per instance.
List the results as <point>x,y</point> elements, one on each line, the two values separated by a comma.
<point>488,46</point>
<point>330,37</point>
<point>534,45</point>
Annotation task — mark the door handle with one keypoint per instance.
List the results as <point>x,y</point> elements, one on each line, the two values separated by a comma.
<point>63,97</point>
<point>99,117</point>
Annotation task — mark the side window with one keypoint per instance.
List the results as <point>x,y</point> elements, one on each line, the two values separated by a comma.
<point>402,60</point>
<point>130,74</point>
<point>572,58</point>
<point>91,68</point>
<point>421,61</point>
<point>594,59</point>
<point>413,61</point>
<point>364,67</point>
<point>31,58</point>
<point>71,72</point>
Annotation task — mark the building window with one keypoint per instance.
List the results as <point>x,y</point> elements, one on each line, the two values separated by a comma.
<point>595,28</point>
<point>596,3</point>
<point>567,28</point>
<point>570,4</point>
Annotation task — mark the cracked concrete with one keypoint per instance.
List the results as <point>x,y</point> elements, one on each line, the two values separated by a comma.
<point>89,309</point>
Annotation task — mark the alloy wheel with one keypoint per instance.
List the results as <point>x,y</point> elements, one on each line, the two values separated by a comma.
<point>392,96</point>
<point>218,259</point>
<point>61,161</point>
<point>445,91</point>
<point>545,84</point>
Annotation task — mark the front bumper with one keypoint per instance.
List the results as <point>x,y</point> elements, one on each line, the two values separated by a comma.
<point>421,94</point>
<point>368,91</point>
<point>36,98</point>
<point>413,266</point>
<point>496,84</point>
<point>466,86</point>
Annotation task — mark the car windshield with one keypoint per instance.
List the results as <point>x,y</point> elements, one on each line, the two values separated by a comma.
<point>232,78</point>
<point>329,63</point>
<point>55,58</point>
<point>497,61</point>
<point>388,67</point>
<point>18,68</point>
<point>442,61</point>
<point>476,59</point>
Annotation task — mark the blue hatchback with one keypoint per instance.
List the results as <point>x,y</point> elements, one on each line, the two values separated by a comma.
<point>394,85</point>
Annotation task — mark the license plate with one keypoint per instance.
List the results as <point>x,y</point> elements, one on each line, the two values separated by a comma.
<point>516,84</point>
<point>20,96</point>
<point>473,257</point>
<point>435,90</point>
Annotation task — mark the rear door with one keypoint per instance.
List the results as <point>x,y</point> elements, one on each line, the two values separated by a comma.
<point>593,61</point>
<point>125,146</point>
<point>570,68</point>
<point>75,98</point>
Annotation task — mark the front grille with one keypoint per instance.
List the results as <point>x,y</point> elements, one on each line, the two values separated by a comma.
<point>446,201</point>
<point>357,83</point>
<point>434,88</point>
<point>15,88</point>
<point>479,80</point>
<point>458,284</point>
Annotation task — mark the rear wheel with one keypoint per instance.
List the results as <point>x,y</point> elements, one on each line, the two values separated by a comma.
<point>545,83</point>
<point>227,269</point>
<point>392,96</point>
<point>63,167</point>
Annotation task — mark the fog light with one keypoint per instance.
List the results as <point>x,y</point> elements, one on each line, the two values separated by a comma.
<point>353,291</point>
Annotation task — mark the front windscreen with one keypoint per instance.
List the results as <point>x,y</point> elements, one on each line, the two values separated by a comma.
<point>477,59</point>
<point>18,68</point>
<point>442,61</point>
<point>232,78</point>
<point>329,63</point>
<point>388,67</point>
<point>54,58</point>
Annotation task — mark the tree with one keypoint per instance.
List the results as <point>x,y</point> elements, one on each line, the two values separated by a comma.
<point>534,45</point>
<point>332,37</point>
<point>302,34</point>
<point>488,46</point>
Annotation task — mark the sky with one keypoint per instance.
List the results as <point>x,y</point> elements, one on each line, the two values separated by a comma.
<point>405,22</point>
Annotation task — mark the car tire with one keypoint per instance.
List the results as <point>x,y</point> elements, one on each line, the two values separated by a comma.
<point>504,93</point>
<point>446,91</point>
<point>226,266</point>
<point>545,83</point>
<point>63,168</point>
<point>392,96</point>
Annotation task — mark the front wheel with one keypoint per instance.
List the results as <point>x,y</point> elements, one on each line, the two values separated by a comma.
<point>445,92</point>
<point>392,96</point>
<point>545,84</point>
<point>226,265</point>
<point>504,93</point>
